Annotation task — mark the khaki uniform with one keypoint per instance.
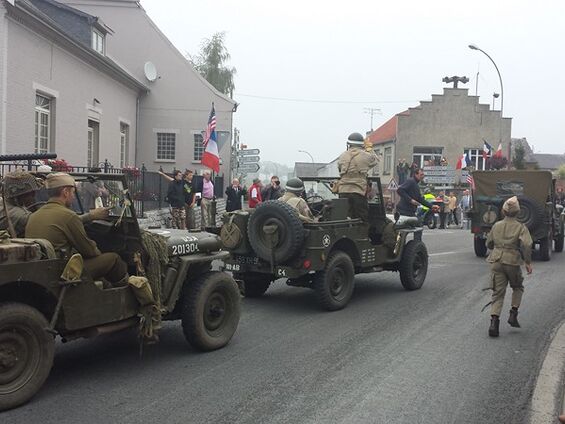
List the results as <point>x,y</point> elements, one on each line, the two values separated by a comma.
<point>65,230</point>
<point>18,215</point>
<point>511,246</point>
<point>298,203</point>
<point>354,166</point>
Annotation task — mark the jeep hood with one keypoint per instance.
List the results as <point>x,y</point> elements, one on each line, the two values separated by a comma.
<point>183,242</point>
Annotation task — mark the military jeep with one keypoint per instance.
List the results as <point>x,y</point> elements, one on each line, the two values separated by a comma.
<point>38,303</point>
<point>271,242</point>
<point>538,209</point>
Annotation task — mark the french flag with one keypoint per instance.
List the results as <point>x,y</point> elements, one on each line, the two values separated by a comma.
<point>498,153</point>
<point>463,162</point>
<point>487,149</point>
<point>211,156</point>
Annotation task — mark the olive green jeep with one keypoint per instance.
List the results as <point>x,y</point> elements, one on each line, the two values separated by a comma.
<point>270,242</point>
<point>39,300</point>
<point>538,209</point>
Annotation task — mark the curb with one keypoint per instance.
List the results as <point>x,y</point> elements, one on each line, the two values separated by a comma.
<point>547,398</point>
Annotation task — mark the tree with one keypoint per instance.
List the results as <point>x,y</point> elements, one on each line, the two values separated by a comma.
<point>519,155</point>
<point>561,172</point>
<point>210,63</point>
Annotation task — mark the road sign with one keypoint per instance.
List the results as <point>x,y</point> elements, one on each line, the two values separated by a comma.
<point>248,152</point>
<point>248,168</point>
<point>249,159</point>
<point>392,186</point>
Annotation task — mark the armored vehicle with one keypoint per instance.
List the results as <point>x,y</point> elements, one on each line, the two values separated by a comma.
<point>43,295</point>
<point>538,210</point>
<point>271,242</point>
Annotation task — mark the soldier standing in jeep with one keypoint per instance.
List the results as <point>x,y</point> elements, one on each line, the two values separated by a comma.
<point>354,165</point>
<point>511,245</point>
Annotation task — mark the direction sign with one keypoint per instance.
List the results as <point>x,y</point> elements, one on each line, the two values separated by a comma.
<point>248,168</point>
<point>249,159</point>
<point>248,152</point>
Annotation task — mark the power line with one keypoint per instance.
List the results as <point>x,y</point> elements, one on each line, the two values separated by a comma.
<point>289,99</point>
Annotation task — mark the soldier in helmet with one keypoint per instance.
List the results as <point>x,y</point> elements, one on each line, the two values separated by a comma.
<point>511,246</point>
<point>19,192</point>
<point>292,196</point>
<point>354,165</point>
<point>19,189</point>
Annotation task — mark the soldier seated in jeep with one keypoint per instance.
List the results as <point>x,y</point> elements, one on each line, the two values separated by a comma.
<point>293,196</point>
<point>20,200</point>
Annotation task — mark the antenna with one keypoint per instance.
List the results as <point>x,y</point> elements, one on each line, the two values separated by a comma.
<point>372,111</point>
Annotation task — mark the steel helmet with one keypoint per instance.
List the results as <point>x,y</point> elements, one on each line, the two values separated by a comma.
<point>355,139</point>
<point>295,185</point>
<point>20,182</point>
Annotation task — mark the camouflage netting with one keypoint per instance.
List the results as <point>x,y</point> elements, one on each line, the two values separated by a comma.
<point>156,247</point>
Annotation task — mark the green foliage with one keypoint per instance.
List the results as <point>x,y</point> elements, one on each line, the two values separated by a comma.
<point>561,172</point>
<point>210,63</point>
<point>519,155</point>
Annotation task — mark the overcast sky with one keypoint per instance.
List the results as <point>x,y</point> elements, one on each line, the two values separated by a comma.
<point>340,57</point>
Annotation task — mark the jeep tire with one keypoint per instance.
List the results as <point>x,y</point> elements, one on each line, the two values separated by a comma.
<point>559,238</point>
<point>545,248</point>
<point>334,284</point>
<point>26,353</point>
<point>413,265</point>
<point>480,245</point>
<point>211,310</point>
<point>289,235</point>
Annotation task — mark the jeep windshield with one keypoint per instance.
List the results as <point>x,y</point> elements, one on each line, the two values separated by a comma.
<point>322,188</point>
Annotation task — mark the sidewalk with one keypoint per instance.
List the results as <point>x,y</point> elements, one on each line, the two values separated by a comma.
<point>548,397</point>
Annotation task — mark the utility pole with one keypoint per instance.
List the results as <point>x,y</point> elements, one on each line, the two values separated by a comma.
<point>372,111</point>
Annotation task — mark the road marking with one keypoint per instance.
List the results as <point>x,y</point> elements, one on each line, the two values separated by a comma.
<point>448,253</point>
<point>548,392</point>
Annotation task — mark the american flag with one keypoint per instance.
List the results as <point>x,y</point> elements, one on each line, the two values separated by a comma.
<point>211,128</point>
<point>471,181</point>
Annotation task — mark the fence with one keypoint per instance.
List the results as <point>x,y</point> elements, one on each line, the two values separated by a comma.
<point>148,189</point>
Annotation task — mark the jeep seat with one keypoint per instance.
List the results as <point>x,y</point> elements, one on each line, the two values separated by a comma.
<point>45,246</point>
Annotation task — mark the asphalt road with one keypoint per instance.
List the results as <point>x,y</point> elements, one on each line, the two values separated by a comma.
<point>390,357</point>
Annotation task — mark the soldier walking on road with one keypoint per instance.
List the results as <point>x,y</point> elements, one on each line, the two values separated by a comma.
<point>511,246</point>
<point>354,165</point>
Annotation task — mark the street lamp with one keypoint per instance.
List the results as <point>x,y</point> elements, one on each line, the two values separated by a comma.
<point>473,47</point>
<point>304,151</point>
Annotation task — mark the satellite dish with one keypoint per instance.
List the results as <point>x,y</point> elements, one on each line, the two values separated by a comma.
<point>150,71</point>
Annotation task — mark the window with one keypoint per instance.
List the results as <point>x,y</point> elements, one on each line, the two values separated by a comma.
<point>427,156</point>
<point>42,123</point>
<point>198,146</point>
<point>98,41</point>
<point>388,160</point>
<point>477,159</point>
<point>166,146</point>
<point>92,147</point>
<point>124,144</point>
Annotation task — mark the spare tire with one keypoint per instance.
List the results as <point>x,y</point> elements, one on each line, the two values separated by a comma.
<point>288,234</point>
<point>531,213</point>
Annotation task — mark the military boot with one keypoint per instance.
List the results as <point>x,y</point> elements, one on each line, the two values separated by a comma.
<point>513,318</point>
<point>494,324</point>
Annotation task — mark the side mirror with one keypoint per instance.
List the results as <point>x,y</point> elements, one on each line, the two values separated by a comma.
<point>73,269</point>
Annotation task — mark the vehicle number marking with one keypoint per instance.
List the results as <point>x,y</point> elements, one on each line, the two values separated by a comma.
<point>281,272</point>
<point>233,267</point>
<point>326,240</point>
<point>185,248</point>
